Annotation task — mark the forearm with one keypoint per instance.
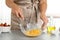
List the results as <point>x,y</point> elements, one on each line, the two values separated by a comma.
<point>10,3</point>
<point>43,6</point>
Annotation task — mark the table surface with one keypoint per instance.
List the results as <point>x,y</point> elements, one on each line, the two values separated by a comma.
<point>17,35</point>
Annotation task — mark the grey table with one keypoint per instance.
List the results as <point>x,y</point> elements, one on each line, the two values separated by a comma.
<point>17,35</point>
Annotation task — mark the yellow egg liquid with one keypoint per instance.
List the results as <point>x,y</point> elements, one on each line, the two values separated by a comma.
<point>33,32</point>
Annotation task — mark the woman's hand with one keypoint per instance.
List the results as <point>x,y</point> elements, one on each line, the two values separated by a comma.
<point>42,8</point>
<point>17,11</point>
<point>15,8</point>
<point>45,21</point>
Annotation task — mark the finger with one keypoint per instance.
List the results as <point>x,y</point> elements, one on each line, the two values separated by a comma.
<point>17,14</point>
<point>21,15</point>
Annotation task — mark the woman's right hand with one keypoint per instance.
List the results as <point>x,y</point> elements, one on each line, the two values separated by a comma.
<point>17,11</point>
<point>15,8</point>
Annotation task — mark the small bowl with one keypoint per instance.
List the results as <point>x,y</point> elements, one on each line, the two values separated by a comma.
<point>5,28</point>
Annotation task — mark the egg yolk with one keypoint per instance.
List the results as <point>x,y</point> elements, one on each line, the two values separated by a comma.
<point>33,32</point>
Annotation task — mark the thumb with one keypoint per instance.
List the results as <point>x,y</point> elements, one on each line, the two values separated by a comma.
<point>21,16</point>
